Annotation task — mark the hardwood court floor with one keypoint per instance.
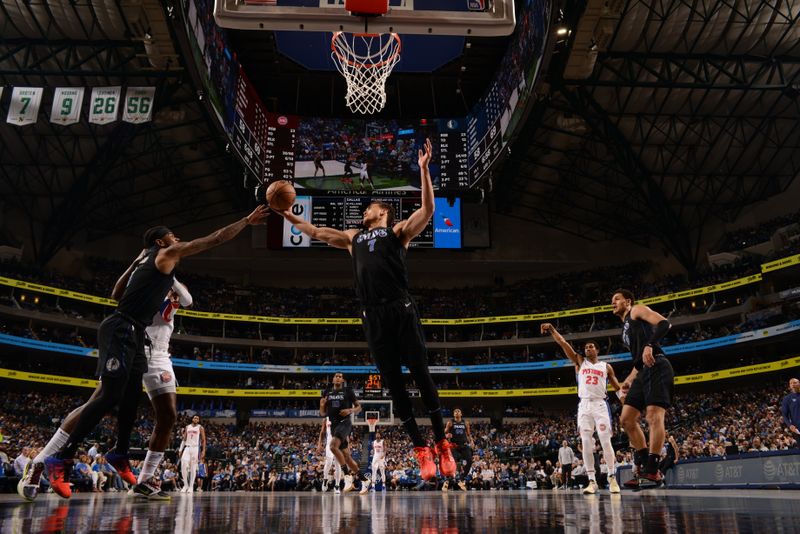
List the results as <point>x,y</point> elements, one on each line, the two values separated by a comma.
<point>695,511</point>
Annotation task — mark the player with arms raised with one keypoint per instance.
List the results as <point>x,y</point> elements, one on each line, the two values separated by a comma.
<point>389,314</point>
<point>121,360</point>
<point>593,410</point>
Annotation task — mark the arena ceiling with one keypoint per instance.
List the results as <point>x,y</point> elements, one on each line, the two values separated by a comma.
<point>654,118</point>
<point>659,116</point>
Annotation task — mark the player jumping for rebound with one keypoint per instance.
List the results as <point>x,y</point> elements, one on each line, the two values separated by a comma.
<point>194,452</point>
<point>338,403</point>
<point>593,411</point>
<point>331,465</point>
<point>457,431</point>
<point>649,386</point>
<point>378,461</point>
<point>389,314</point>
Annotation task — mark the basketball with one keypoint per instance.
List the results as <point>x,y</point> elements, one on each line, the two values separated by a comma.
<point>280,195</point>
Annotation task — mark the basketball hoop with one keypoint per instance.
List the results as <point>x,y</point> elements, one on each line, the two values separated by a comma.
<point>372,420</point>
<point>365,60</point>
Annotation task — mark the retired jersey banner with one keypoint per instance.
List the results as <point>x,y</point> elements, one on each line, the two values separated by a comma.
<point>67,104</point>
<point>138,105</point>
<point>104,105</point>
<point>24,106</point>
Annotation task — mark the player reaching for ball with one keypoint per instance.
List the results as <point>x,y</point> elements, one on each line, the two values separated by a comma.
<point>122,361</point>
<point>389,314</point>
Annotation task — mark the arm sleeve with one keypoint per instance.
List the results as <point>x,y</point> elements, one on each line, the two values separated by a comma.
<point>659,331</point>
<point>183,293</point>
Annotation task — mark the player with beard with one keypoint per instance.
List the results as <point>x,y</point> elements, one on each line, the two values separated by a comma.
<point>122,361</point>
<point>389,314</point>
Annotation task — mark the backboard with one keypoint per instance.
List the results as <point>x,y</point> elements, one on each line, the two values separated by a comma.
<point>489,18</point>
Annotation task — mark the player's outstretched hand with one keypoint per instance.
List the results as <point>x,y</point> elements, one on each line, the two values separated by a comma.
<point>425,154</point>
<point>258,215</point>
<point>546,328</point>
<point>282,213</point>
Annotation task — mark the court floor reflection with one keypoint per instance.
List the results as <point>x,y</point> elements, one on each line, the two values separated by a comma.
<point>428,512</point>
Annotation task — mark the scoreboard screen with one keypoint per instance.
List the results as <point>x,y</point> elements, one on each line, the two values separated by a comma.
<point>344,212</point>
<point>373,386</point>
<point>453,157</point>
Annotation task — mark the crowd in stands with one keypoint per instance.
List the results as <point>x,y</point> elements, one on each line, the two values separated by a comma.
<point>282,456</point>
<point>563,291</point>
<point>316,357</point>
<point>753,235</point>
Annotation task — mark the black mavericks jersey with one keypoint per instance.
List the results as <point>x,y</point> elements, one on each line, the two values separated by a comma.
<point>635,334</point>
<point>459,431</point>
<point>379,266</point>
<point>146,290</point>
<point>338,399</point>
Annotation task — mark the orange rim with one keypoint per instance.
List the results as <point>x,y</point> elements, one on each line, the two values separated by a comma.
<point>352,63</point>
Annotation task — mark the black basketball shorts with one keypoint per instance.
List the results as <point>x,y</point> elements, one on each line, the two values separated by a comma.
<point>652,386</point>
<point>394,333</point>
<point>341,430</point>
<point>120,346</point>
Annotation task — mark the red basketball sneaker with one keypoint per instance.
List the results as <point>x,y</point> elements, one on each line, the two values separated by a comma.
<point>427,469</point>
<point>57,473</point>
<point>122,465</point>
<point>447,464</point>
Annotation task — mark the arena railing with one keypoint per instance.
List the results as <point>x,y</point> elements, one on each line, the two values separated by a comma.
<point>781,263</point>
<point>758,335</point>
<point>710,376</point>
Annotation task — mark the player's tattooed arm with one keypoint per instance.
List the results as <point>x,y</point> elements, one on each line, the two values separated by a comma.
<point>612,378</point>
<point>169,257</point>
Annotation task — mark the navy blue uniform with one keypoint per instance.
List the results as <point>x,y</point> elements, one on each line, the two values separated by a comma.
<point>790,409</point>
<point>391,319</point>
<point>337,400</point>
<point>462,453</point>
<point>653,385</point>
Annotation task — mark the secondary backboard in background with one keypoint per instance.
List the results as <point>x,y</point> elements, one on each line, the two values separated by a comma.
<point>382,406</point>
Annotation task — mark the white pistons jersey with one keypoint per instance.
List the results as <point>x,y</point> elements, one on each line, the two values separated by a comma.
<point>160,330</point>
<point>192,436</point>
<point>377,448</point>
<point>593,380</point>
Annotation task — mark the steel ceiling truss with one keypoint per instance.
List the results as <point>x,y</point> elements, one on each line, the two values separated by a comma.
<point>653,144</point>
<point>693,71</point>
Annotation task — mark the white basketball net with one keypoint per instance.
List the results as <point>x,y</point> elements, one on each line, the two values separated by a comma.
<point>365,61</point>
